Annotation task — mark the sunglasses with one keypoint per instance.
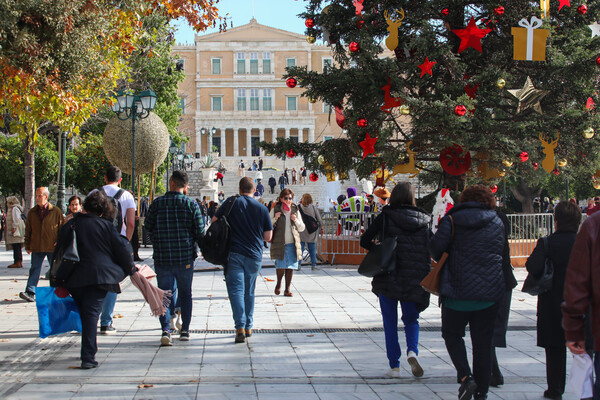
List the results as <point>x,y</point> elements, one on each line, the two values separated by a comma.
<point>287,198</point>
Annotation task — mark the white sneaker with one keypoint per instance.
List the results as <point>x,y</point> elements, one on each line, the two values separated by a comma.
<point>413,361</point>
<point>393,373</point>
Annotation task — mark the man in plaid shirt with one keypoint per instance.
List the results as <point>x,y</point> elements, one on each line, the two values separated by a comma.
<point>175,224</point>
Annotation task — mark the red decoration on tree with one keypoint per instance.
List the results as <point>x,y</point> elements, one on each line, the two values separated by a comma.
<point>361,123</point>
<point>313,177</point>
<point>598,60</point>
<point>471,36</point>
<point>339,116</point>
<point>445,12</point>
<point>290,153</point>
<point>582,9</point>
<point>494,188</point>
<point>555,171</point>
<point>535,165</point>
<point>389,101</point>
<point>524,156</point>
<point>471,90</point>
<point>359,24</point>
<point>309,22</point>
<point>454,161</point>
<point>368,145</point>
<point>426,67</point>
<point>563,3</point>
<point>354,47</point>
<point>358,6</point>
<point>589,104</point>
<point>499,11</point>
<point>460,110</point>
<point>291,82</point>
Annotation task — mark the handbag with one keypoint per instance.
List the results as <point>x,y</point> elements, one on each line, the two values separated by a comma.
<point>65,260</point>
<point>381,259</point>
<point>431,282</point>
<point>20,230</point>
<point>537,285</point>
<point>56,314</point>
<point>311,223</point>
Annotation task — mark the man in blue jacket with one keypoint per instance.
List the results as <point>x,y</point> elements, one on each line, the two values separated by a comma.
<point>175,225</point>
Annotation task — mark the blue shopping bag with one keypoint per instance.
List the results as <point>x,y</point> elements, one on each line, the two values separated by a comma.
<point>56,315</point>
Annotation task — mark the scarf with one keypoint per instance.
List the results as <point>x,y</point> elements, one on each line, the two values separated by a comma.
<point>157,299</point>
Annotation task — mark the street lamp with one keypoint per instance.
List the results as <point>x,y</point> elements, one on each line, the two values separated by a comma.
<point>210,133</point>
<point>136,107</point>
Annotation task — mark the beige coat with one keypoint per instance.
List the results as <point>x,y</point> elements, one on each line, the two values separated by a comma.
<point>10,224</point>
<point>279,226</point>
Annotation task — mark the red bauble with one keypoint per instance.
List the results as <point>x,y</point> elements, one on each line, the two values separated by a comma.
<point>535,165</point>
<point>555,171</point>
<point>291,82</point>
<point>313,177</point>
<point>361,123</point>
<point>309,22</point>
<point>494,188</point>
<point>524,156</point>
<point>454,160</point>
<point>582,9</point>
<point>354,47</point>
<point>445,12</point>
<point>359,24</point>
<point>460,110</point>
<point>499,11</point>
<point>290,153</point>
<point>598,61</point>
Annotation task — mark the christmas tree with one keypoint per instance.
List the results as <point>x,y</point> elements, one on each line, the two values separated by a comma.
<point>482,90</point>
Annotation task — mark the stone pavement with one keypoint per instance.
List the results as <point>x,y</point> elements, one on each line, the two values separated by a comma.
<point>326,342</point>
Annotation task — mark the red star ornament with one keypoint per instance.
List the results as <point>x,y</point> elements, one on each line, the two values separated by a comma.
<point>426,67</point>
<point>471,90</point>
<point>471,36</point>
<point>368,145</point>
<point>563,3</point>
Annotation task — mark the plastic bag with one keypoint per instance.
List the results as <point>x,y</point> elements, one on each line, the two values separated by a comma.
<point>56,315</point>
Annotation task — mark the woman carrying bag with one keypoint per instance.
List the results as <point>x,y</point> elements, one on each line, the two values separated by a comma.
<point>309,239</point>
<point>411,227</point>
<point>15,231</point>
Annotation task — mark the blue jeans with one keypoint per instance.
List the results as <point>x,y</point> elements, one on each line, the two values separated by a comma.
<point>36,267</point>
<point>108,308</point>
<point>166,276</point>
<point>312,250</point>
<point>410,318</point>
<point>597,373</point>
<point>241,282</point>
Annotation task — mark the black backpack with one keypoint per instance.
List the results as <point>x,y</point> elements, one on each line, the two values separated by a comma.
<point>118,220</point>
<point>216,243</point>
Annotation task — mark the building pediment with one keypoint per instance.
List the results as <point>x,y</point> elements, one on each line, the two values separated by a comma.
<point>251,32</point>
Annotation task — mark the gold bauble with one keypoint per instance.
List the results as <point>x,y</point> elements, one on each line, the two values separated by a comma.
<point>588,133</point>
<point>500,83</point>
<point>404,109</point>
<point>321,160</point>
<point>312,100</point>
<point>562,162</point>
<point>311,39</point>
<point>597,185</point>
<point>507,163</point>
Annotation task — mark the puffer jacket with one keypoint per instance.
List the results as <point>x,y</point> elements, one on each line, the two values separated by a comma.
<point>473,270</point>
<point>411,226</point>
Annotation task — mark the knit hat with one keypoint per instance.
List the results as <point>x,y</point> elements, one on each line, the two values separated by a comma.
<point>382,193</point>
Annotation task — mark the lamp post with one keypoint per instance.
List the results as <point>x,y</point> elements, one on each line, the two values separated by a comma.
<point>210,133</point>
<point>136,107</point>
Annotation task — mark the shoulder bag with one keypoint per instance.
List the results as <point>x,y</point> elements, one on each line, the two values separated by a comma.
<point>65,261</point>
<point>431,283</point>
<point>537,285</point>
<point>381,259</point>
<point>311,223</point>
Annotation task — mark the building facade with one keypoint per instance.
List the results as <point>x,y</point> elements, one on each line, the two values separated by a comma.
<point>233,95</point>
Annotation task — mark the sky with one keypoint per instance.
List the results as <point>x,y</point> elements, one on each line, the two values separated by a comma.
<point>281,14</point>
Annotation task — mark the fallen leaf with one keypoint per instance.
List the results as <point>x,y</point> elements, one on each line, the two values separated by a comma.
<point>269,280</point>
<point>14,280</point>
<point>521,299</point>
<point>144,385</point>
<point>209,295</point>
<point>278,304</point>
<point>8,299</point>
<point>193,380</point>
<point>117,316</point>
<point>310,335</point>
<point>4,340</point>
<point>9,312</point>
<point>73,367</point>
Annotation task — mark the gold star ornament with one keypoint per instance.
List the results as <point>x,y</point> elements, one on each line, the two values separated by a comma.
<point>529,97</point>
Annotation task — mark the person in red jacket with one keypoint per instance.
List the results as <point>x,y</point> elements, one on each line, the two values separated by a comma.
<point>596,207</point>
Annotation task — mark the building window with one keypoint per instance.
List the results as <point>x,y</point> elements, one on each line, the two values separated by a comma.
<point>266,59</point>
<point>241,63</point>
<point>266,99</point>
<point>180,65</point>
<point>327,63</point>
<point>326,108</point>
<point>326,138</point>
<point>253,99</point>
<point>217,103</point>
<point>290,62</point>
<point>216,66</point>
<point>182,104</point>
<point>292,103</point>
<point>254,63</point>
<point>241,99</point>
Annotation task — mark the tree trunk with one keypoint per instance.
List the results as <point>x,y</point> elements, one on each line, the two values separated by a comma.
<point>29,162</point>
<point>525,195</point>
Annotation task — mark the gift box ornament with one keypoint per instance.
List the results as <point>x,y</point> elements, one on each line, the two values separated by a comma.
<point>530,41</point>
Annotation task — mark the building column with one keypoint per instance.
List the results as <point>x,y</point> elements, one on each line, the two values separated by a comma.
<point>236,144</point>
<point>287,133</point>
<point>249,142</point>
<point>311,135</point>
<point>223,142</point>
<point>261,137</point>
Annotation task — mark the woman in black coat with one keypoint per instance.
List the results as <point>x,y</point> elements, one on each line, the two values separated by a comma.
<point>104,262</point>
<point>550,334</point>
<point>411,227</point>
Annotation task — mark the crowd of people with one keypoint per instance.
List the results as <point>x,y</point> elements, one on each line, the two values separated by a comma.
<point>472,237</point>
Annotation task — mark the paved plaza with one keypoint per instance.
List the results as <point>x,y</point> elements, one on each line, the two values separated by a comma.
<point>325,342</point>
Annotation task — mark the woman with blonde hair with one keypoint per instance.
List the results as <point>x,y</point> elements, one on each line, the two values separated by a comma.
<point>14,236</point>
<point>309,239</point>
<point>285,246</point>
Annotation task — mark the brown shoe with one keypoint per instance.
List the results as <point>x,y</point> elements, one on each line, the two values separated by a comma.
<point>248,332</point>
<point>18,264</point>
<point>240,335</point>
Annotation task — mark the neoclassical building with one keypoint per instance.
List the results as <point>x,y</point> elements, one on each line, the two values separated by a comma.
<point>233,95</point>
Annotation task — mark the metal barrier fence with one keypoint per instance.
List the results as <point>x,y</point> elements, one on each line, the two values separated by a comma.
<point>525,230</point>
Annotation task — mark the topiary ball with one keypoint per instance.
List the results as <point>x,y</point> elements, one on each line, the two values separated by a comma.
<point>151,143</point>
